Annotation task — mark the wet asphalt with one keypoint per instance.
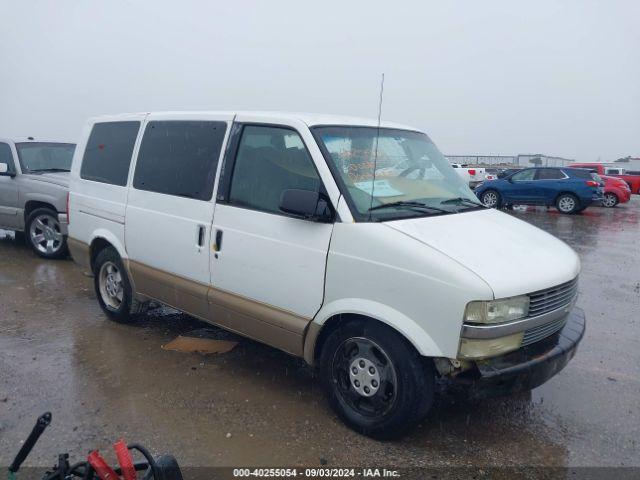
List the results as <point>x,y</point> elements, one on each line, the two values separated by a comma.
<point>258,406</point>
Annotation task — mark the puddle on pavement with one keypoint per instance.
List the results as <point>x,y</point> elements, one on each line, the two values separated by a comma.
<point>104,380</point>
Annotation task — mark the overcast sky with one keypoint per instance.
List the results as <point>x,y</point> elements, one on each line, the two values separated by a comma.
<point>491,77</point>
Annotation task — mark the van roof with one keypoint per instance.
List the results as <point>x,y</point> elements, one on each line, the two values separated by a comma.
<point>310,119</point>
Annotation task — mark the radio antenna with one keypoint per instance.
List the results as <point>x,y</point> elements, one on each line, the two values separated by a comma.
<point>375,154</point>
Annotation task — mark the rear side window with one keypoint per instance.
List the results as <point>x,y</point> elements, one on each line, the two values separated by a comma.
<point>107,156</point>
<point>180,158</point>
<point>579,173</point>
<point>549,174</point>
<point>269,161</point>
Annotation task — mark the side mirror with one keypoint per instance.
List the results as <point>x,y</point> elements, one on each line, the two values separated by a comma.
<point>4,170</point>
<point>306,204</point>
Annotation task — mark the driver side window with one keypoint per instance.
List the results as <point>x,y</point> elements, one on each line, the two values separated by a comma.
<point>524,175</point>
<point>269,161</point>
<point>7,157</point>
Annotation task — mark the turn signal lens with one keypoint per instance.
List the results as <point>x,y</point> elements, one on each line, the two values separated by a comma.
<point>472,348</point>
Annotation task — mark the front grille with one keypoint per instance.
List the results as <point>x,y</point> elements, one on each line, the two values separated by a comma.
<point>542,331</point>
<point>549,299</point>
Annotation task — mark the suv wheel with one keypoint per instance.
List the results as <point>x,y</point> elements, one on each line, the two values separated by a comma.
<point>113,287</point>
<point>44,234</point>
<point>491,199</point>
<point>568,203</point>
<point>374,380</point>
<point>610,200</point>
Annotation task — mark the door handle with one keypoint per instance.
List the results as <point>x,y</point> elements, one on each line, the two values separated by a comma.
<point>218,246</point>
<point>201,234</point>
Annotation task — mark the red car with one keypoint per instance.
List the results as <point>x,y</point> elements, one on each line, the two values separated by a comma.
<point>632,180</point>
<point>616,191</point>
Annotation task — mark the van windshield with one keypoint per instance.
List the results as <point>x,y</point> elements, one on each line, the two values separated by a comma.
<point>45,157</point>
<point>388,174</point>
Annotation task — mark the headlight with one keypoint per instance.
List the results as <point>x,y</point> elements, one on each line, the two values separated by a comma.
<point>497,311</point>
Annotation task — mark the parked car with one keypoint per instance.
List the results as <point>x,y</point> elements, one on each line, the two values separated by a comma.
<point>633,180</point>
<point>34,180</point>
<point>472,175</point>
<point>616,191</point>
<point>569,190</point>
<point>270,225</point>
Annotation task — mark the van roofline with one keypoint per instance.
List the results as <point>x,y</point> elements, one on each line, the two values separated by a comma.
<point>310,119</point>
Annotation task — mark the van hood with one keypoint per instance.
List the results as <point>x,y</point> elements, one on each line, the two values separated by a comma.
<point>512,256</point>
<point>56,178</point>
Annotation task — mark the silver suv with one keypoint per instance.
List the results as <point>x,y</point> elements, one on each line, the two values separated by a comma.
<point>34,181</point>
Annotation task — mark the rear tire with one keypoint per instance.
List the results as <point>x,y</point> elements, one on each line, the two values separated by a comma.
<point>610,200</point>
<point>113,288</point>
<point>491,199</point>
<point>374,379</point>
<point>44,235</point>
<point>568,203</point>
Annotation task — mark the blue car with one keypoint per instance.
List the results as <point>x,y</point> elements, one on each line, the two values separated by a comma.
<point>570,190</point>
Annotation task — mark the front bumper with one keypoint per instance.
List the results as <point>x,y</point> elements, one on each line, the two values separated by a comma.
<point>527,367</point>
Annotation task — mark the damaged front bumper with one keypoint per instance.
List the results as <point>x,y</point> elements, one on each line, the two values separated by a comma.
<point>527,367</point>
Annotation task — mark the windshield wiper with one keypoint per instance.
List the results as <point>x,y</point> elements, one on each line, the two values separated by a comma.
<point>49,170</point>
<point>459,200</point>
<point>414,205</point>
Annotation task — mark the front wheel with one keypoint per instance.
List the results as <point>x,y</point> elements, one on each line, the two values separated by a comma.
<point>113,288</point>
<point>610,200</point>
<point>568,203</point>
<point>491,199</point>
<point>374,380</point>
<point>45,235</point>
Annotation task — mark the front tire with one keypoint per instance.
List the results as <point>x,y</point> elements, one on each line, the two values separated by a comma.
<point>568,203</point>
<point>44,234</point>
<point>491,199</point>
<point>113,288</point>
<point>610,200</point>
<point>374,380</point>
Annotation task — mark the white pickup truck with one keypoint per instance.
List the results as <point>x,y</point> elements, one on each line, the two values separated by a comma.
<point>472,175</point>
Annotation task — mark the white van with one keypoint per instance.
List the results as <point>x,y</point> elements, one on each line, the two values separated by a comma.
<point>296,230</point>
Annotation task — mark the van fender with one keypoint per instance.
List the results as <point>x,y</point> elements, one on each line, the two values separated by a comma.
<point>407,327</point>
<point>111,238</point>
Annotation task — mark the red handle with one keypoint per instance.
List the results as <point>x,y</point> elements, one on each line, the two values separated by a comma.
<point>125,460</point>
<point>104,471</point>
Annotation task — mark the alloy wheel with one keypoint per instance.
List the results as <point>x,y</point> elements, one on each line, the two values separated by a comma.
<point>567,204</point>
<point>490,199</point>
<point>609,200</point>
<point>45,234</point>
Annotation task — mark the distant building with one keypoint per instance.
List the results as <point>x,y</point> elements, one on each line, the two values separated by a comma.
<point>523,160</point>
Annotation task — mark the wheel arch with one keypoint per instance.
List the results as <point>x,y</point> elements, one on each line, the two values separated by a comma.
<point>32,205</point>
<point>102,239</point>
<point>566,192</point>
<point>328,319</point>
